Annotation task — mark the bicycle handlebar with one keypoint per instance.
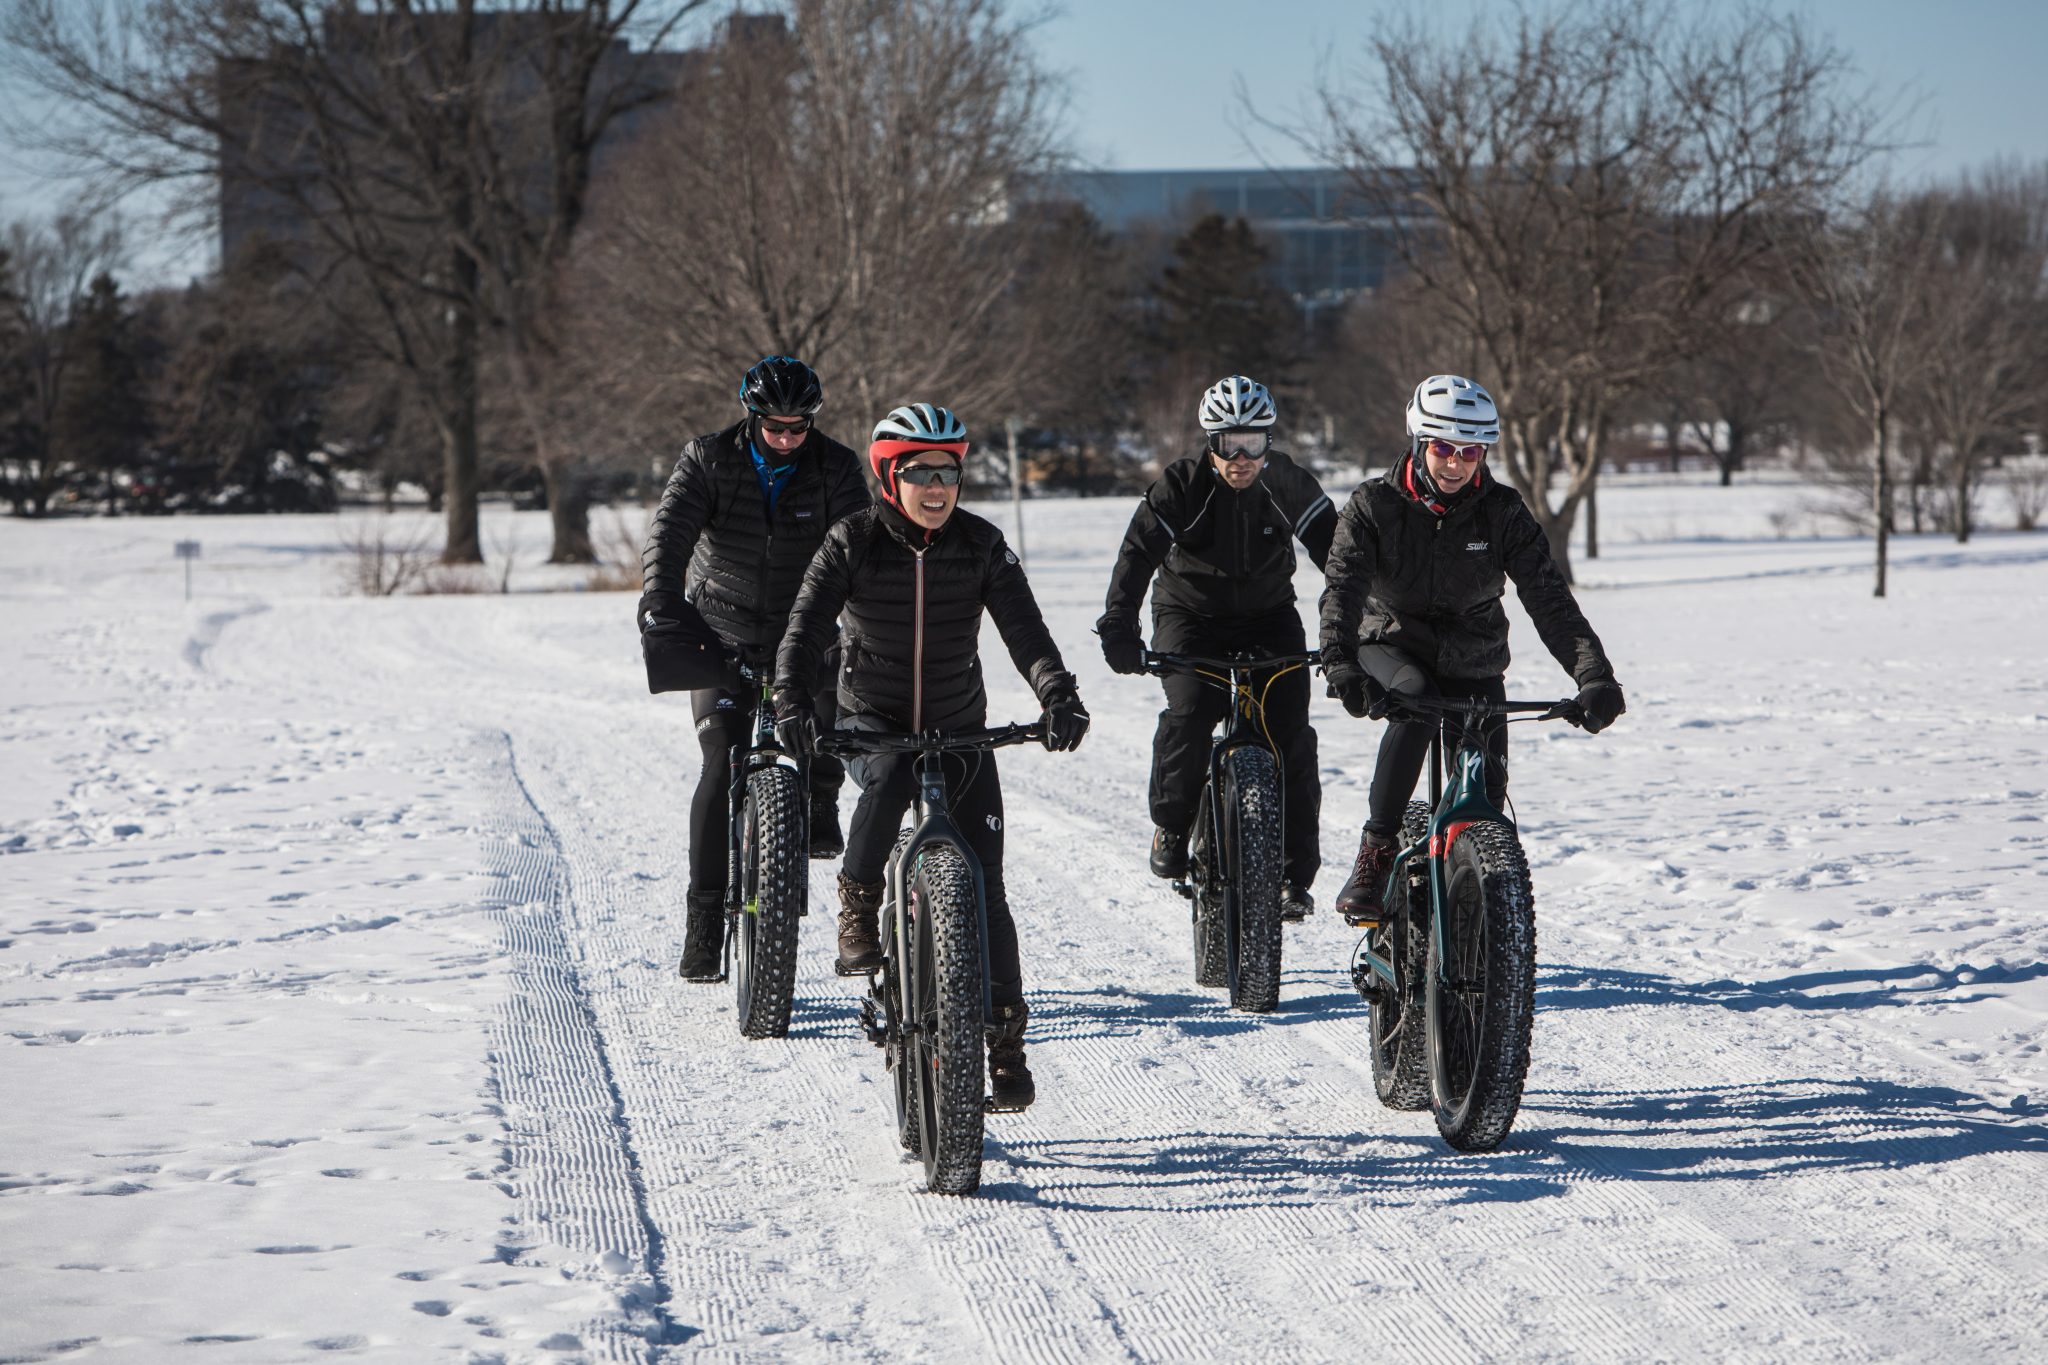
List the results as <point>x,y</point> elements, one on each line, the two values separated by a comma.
<point>1156,662</point>
<point>1428,708</point>
<point>848,743</point>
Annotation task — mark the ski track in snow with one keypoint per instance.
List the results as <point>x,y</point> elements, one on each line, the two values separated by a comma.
<point>1782,1103</point>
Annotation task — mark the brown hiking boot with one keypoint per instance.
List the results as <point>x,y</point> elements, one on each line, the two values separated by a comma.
<point>1009,1079</point>
<point>860,933</point>
<point>1362,901</point>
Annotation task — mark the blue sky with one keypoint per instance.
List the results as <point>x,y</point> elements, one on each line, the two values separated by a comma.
<point>1151,82</point>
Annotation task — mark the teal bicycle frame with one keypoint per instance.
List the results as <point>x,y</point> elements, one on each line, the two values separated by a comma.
<point>1454,806</point>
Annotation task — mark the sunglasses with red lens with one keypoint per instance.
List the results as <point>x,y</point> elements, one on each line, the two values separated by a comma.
<point>795,427</point>
<point>1444,450</point>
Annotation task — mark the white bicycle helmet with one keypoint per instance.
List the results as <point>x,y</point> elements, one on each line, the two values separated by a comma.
<point>1236,402</point>
<point>1454,408</point>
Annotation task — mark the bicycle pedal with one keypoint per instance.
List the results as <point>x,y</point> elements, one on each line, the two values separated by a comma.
<point>989,1106</point>
<point>1186,890</point>
<point>1372,922</point>
<point>843,970</point>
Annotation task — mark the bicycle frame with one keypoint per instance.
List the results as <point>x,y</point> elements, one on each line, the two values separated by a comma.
<point>1455,804</point>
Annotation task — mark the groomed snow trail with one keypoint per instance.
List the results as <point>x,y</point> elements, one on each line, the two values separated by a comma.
<point>1782,1107</point>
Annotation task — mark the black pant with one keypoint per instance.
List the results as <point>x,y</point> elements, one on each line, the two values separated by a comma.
<point>725,717</point>
<point>1406,744</point>
<point>975,790</point>
<point>1196,706</point>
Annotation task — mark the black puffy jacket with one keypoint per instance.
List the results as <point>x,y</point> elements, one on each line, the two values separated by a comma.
<point>1218,552</point>
<point>713,539</point>
<point>1400,574</point>
<point>912,608</point>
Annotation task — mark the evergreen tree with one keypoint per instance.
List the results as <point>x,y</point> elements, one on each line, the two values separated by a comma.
<point>1220,312</point>
<point>102,418</point>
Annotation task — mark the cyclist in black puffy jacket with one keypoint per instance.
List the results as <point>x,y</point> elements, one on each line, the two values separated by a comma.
<point>913,575</point>
<point>1413,606</point>
<point>743,512</point>
<point>1218,531</point>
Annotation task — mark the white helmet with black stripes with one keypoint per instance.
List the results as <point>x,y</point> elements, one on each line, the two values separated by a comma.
<point>1236,402</point>
<point>1455,409</point>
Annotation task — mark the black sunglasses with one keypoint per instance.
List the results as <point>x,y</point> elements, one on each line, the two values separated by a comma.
<point>920,475</point>
<point>793,428</point>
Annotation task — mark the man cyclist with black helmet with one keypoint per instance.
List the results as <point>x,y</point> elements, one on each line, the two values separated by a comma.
<point>744,511</point>
<point>1422,556</point>
<point>913,575</point>
<point>1217,531</point>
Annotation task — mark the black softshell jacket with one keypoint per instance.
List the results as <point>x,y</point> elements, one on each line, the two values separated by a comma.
<point>1399,574</point>
<point>713,540</point>
<point>1218,552</point>
<point>912,611</point>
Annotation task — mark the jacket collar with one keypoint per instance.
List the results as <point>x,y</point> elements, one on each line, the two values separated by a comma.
<point>909,533</point>
<point>1411,480</point>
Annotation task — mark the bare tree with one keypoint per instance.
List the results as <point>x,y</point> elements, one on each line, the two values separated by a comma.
<point>1983,346</point>
<point>428,158</point>
<point>1868,275</point>
<point>837,190</point>
<point>1576,192</point>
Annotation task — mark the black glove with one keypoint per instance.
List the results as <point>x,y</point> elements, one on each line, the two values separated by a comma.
<point>659,609</point>
<point>796,725</point>
<point>1347,685</point>
<point>1065,720</point>
<point>1602,702</point>
<point>1123,653</point>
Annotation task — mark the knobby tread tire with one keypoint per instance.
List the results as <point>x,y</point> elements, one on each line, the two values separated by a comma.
<point>765,963</point>
<point>1212,958</point>
<point>909,1123</point>
<point>1474,1112</point>
<point>949,1046</point>
<point>1397,1039</point>
<point>1253,784</point>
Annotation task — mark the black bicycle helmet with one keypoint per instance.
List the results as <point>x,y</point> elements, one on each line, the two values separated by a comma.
<point>782,386</point>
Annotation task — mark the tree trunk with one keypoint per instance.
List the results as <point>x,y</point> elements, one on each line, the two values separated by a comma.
<point>458,420</point>
<point>1965,479</point>
<point>1593,522</point>
<point>568,487</point>
<point>1881,493</point>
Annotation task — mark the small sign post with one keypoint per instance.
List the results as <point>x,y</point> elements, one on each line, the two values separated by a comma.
<point>187,550</point>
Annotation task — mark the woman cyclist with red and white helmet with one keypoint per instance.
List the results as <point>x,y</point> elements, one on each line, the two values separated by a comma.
<point>912,575</point>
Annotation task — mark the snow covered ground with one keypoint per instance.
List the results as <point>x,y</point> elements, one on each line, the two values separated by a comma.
<point>336,970</point>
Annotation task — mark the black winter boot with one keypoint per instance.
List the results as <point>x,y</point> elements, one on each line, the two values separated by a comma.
<point>860,935</point>
<point>1362,901</point>
<point>826,840</point>
<point>704,937</point>
<point>1009,1079</point>
<point>1169,853</point>
<point>1296,904</point>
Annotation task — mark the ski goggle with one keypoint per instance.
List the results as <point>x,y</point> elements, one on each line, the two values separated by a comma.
<point>795,426</point>
<point>921,475</point>
<point>1242,445</point>
<point>1444,450</point>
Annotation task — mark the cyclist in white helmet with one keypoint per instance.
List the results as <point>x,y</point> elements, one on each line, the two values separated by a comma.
<point>1422,556</point>
<point>1214,540</point>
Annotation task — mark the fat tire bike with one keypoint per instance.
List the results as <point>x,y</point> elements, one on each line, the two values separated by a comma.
<point>928,1007</point>
<point>1235,843</point>
<point>767,868</point>
<point>1450,973</point>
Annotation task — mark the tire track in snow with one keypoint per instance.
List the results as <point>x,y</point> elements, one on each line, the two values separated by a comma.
<point>573,1168</point>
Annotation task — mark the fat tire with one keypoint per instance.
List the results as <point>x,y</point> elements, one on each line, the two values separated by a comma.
<point>946,1051</point>
<point>1252,811</point>
<point>1212,956</point>
<point>764,955</point>
<point>909,1123</point>
<point>1395,1035</point>
<point>1479,1051</point>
